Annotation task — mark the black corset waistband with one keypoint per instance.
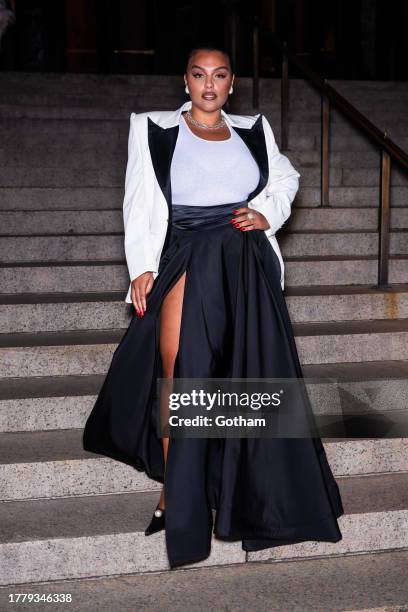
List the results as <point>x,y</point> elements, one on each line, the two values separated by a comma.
<point>203,217</point>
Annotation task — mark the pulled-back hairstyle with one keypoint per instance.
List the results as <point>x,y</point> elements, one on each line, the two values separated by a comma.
<point>209,48</point>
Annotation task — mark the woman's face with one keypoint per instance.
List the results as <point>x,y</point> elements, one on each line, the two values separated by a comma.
<point>209,78</point>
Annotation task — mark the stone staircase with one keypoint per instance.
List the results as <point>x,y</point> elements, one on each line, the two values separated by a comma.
<point>69,514</point>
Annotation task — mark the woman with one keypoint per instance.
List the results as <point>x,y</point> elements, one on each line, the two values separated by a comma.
<point>205,193</point>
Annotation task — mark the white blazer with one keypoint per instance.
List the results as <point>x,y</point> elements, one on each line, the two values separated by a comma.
<point>147,199</point>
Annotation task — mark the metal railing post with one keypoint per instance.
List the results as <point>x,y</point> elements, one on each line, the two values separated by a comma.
<point>384,220</point>
<point>324,151</point>
<point>255,57</point>
<point>284,100</point>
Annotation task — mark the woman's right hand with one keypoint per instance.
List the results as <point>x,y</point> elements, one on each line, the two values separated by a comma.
<point>141,287</point>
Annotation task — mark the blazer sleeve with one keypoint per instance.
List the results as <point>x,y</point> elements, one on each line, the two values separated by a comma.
<point>138,245</point>
<point>282,186</point>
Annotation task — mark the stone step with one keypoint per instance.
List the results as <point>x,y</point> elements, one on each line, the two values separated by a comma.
<point>99,198</point>
<point>388,113</point>
<point>392,121</point>
<point>33,542</point>
<point>52,403</point>
<point>90,352</point>
<point>89,155</point>
<point>77,127</point>
<point>54,464</point>
<point>341,270</point>
<point>25,133</point>
<point>62,248</point>
<point>318,242</point>
<point>35,465</point>
<point>64,312</point>
<point>331,342</point>
<point>70,311</point>
<point>345,303</point>
<point>49,277</point>
<point>64,402</point>
<point>38,180</point>
<point>355,142</point>
<point>114,176</point>
<point>108,247</point>
<point>31,222</point>
<point>105,148</point>
<point>18,144</point>
<point>13,111</point>
<point>363,160</point>
<point>90,277</point>
<point>25,129</point>
<point>350,196</point>
<point>92,134</point>
<point>367,178</point>
<point>162,87</point>
<point>337,218</point>
<point>301,107</point>
<point>91,84</point>
<point>169,90</point>
<point>65,198</point>
<point>80,83</point>
<point>112,163</point>
<point>117,137</point>
<point>54,155</point>
<point>56,354</point>
<point>387,117</point>
<point>87,83</point>
<point>114,100</point>
<point>317,585</point>
<point>47,222</point>
<point>61,177</point>
<point>348,177</point>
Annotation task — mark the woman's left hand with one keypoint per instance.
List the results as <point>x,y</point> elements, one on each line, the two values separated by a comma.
<point>247,219</point>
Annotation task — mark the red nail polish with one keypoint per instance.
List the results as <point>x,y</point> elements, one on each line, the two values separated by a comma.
<point>235,212</point>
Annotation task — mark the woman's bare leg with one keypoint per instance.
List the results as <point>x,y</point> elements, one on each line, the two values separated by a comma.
<point>170,322</point>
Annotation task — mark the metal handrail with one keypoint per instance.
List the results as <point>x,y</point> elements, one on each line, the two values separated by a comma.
<point>330,96</point>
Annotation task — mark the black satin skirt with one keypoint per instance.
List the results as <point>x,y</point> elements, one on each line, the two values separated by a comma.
<point>235,323</point>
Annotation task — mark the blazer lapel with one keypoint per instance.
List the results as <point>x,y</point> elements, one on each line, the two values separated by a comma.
<point>162,142</point>
<point>254,138</point>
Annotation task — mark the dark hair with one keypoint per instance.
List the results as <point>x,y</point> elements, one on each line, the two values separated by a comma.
<point>210,48</point>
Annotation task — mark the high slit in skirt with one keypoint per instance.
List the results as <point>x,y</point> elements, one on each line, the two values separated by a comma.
<point>235,324</point>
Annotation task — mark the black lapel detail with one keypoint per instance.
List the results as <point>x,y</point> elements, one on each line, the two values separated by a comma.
<point>255,140</point>
<point>162,142</point>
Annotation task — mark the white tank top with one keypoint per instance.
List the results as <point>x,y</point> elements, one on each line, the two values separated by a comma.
<point>204,172</point>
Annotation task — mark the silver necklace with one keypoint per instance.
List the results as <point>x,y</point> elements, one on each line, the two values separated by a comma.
<point>203,125</point>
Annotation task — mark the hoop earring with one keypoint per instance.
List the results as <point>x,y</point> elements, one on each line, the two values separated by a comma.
<point>231,89</point>
<point>186,89</point>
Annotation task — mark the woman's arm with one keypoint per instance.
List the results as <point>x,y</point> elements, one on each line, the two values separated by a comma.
<point>140,258</point>
<point>138,245</point>
<point>283,183</point>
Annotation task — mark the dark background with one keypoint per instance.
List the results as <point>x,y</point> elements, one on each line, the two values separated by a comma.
<point>346,39</point>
